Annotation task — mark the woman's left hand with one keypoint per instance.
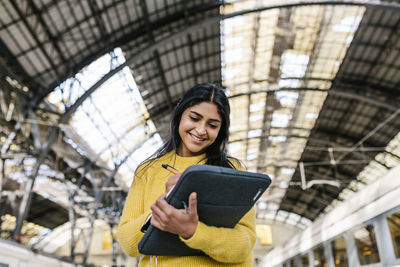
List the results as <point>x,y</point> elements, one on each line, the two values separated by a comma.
<point>167,218</point>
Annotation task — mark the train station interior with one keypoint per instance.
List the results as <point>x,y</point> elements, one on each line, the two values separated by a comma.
<point>87,89</point>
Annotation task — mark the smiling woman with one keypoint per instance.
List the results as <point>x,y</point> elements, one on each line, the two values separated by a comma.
<point>198,135</point>
<point>199,128</point>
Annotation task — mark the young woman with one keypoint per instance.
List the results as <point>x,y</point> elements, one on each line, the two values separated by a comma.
<point>198,135</point>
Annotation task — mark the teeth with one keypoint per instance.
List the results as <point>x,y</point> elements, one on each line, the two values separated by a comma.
<point>197,138</point>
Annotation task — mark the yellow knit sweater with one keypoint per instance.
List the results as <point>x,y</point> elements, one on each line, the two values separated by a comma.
<point>222,246</point>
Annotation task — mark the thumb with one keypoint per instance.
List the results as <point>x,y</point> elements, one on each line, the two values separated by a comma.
<point>193,203</point>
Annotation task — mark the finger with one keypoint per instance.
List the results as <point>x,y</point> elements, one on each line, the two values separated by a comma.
<point>156,222</point>
<point>162,203</point>
<point>193,203</point>
<point>166,211</point>
<point>159,212</point>
<point>160,198</point>
<point>161,217</point>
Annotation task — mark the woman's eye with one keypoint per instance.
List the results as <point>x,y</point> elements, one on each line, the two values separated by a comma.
<point>194,118</point>
<point>213,126</point>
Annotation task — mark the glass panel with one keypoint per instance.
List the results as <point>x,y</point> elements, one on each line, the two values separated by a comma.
<point>366,245</point>
<point>293,262</point>
<point>304,260</point>
<point>394,225</point>
<point>319,257</point>
<point>339,252</point>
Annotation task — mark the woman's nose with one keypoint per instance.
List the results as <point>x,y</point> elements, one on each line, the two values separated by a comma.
<point>201,130</point>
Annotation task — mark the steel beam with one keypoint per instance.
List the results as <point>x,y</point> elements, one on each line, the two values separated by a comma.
<point>71,210</point>
<point>52,136</point>
<point>34,36</point>
<point>2,179</point>
<point>49,141</point>
<point>216,19</point>
<point>347,95</point>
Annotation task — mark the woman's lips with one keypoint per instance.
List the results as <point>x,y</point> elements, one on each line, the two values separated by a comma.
<point>197,139</point>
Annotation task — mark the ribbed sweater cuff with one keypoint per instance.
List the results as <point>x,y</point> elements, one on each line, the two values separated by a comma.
<point>199,239</point>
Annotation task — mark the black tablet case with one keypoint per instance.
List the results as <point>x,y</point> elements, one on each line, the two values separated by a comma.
<point>224,196</point>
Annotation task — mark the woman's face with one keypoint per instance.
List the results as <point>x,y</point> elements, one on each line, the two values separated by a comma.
<point>198,129</point>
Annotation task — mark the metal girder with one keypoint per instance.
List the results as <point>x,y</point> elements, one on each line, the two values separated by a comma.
<point>334,146</point>
<point>372,132</point>
<point>153,48</point>
<point>281,43</point>
<point>190,43</point>
<point>163,80</point>
<point>198,73</point>
<point>207,22</point>
<point>392,37</point>
<point>92,218</point>
<point>340,93</point>
<point>51,38</point>
<point>117,166</point>
<point>35,129</point>
<point>71,210</point>
<point>49,141</point>
<point>254,44</point>
<point>312,205</point>
<point>2,179</point>
<point>34,36</point>
<point>358,82</point>
<point>99,193</point>
<point>344,94</point>
<point>9,66</point>
<point>340,177</point>
<point>100,23</point>
<point>135,34</point>
<point>271,101</point>
<point>319,191</point>
<point>27,198</point>
<point>363,140</point>
<point>156,54</point>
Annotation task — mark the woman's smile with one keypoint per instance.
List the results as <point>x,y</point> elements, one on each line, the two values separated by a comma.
<point>197,139</point>
<point>198,128</point>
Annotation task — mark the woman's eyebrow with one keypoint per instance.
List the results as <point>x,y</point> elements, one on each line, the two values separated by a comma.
<point>198,114</point>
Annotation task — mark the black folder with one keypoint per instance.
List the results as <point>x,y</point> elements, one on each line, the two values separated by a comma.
<point>224,196</point>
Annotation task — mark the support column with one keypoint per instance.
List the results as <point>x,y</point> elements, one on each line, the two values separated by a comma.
<point>2,179</point>
<point>72,220</point>
<point>384,242</point>
<point>27,199</point>
<point>351,249</point>
<point>2,176</point>
<point>113,246</point>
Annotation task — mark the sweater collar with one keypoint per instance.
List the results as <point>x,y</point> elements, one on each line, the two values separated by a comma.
<point>179,161</point>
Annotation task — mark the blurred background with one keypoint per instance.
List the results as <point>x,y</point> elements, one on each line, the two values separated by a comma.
<point>87,88</point>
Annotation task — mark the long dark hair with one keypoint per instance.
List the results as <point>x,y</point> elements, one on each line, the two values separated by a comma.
<point>205,92</point>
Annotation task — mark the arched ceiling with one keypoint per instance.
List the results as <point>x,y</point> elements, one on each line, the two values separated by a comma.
<point>314,88</point>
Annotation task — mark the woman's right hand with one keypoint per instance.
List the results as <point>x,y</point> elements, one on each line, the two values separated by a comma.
<point>171,182</point>
<point>176,221</point>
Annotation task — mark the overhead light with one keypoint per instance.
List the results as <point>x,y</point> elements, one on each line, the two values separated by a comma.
<point>311,116</point>
<point>287,170</point>
<point>283,184</point>
<point>262,205</point>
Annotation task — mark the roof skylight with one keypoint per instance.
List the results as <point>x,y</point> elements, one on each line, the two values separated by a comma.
<point>113,121</point>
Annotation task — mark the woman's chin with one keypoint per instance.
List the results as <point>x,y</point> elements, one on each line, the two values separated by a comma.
<point>196,151</point>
